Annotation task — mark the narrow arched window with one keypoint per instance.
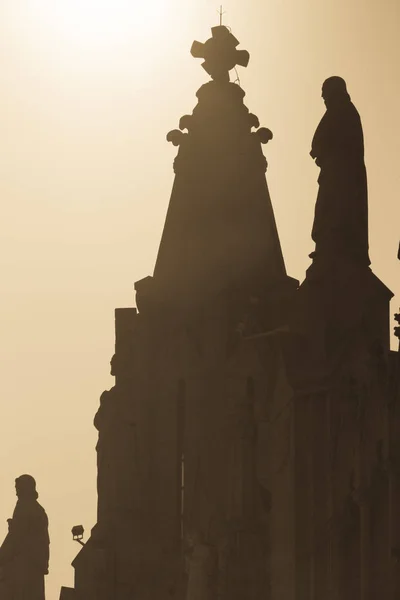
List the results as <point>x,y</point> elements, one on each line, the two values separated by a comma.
<point>180,457</point>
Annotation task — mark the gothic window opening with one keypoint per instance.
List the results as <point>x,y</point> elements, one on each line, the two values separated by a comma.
<point>249,451</point>
<point>181,408</point>
<point>182,498</point>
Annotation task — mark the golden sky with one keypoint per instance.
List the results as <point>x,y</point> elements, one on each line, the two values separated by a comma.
<point>89,90</point>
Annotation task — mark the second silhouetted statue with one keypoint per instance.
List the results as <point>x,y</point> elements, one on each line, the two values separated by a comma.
<point>340,229</point>
<point>24,554</point>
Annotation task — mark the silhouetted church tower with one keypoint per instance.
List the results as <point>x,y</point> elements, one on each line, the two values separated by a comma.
<point>231,458</point>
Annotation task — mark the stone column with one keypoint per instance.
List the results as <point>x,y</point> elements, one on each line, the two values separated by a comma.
<point>362,497</point>
<point>365,543</point>
<point>393,427</point>
<point>302,485</point>
<point>332,417</point>
<point>394,532</point>
<point>320,470</point>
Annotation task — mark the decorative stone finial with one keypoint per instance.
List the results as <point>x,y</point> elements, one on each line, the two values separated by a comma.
<point>220,54</point>
<point>175,137</point>
<point>265,135</point>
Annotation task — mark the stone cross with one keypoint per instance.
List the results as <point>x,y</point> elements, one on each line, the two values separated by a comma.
<point>220,53</point>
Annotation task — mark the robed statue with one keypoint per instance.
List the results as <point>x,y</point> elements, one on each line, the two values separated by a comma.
<point>116,447</point>
<point>340,229</point>
<point>24,554</point>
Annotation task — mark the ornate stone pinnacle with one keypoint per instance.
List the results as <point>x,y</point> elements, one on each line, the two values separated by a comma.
<point>220,54</point>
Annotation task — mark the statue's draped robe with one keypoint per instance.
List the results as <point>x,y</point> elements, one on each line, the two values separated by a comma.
<point>116,447</point>
<point>108,424</point>
<point>24,554</point>
<point>341,213</point>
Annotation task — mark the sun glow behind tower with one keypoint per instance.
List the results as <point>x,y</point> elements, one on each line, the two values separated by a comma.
<point>85,178</point>
<point>99,23</point>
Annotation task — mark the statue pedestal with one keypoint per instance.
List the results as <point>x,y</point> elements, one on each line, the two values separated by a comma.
<point>340,308</point>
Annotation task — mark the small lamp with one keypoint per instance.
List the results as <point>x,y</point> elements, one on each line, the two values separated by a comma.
<point>77,534</point>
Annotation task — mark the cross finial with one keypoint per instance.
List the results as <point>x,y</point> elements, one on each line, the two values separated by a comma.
<point>221,14</point>
<point>220,53</point>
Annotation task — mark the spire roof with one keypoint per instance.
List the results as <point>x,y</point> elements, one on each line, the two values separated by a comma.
<point>220,228</point>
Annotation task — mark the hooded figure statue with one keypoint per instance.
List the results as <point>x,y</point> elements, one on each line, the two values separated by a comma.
<point>24,554</point>
<point>340,229</point>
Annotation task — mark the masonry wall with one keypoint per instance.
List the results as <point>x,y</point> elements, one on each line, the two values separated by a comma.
<point>347,487</point>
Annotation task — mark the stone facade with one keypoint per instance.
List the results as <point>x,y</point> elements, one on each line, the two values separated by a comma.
<point>249,445</point>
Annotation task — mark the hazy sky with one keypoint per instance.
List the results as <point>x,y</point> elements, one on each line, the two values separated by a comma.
<point>89,90</point>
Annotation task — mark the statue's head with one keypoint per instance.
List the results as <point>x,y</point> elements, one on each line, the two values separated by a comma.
<point>25,487</point>
<point>113,365</point>
<point>122,364</point>
<point>118,366</point>
<point>334,91</point>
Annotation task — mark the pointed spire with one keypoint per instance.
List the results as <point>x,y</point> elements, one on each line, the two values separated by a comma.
<point>220,229</point>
